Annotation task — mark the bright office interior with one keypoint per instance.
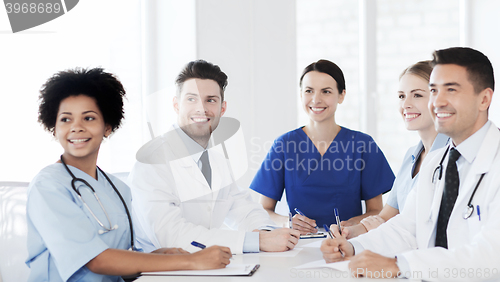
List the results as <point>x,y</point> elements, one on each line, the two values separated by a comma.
<point>262,45</point>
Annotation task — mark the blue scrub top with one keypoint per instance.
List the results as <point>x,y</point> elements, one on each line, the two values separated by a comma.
<point>352,169</point>
<point>62,234</point>
<point>404,180</point>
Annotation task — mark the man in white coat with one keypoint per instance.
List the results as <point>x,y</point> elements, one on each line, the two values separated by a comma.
<point>182,185</point>
<point>450,227</point>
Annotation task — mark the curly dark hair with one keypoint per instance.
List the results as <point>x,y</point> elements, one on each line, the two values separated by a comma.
<point>104,87</point>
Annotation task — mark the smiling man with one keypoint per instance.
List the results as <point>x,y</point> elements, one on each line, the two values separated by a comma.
<point>450,226</point>
<point>182,185</point>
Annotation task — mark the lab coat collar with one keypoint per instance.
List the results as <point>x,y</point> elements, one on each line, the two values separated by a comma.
<point>183,146</point>
<point>483,160</point>
<point>468,148</point>
<point>194,149</point>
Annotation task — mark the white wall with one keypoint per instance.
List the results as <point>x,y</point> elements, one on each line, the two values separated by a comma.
<point>94,33</point>
<point>168,43</point>
<point>261,45</point>
<point>407,31</point>
<point>254,44</point>
<point>485,37</point>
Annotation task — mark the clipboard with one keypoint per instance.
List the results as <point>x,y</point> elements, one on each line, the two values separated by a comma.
<point>229,270</point>
<point>313,235</point>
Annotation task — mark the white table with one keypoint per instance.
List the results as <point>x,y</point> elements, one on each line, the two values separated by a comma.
<point>279,269</point>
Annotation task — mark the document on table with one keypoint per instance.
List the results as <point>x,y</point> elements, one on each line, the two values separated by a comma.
<point>341,265</point>
<point>287,254</point>
<point>230,270</point>
<point>315,244</point>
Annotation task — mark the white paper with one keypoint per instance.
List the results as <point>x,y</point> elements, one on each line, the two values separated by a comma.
<point>341,265</point>
<point>315,244</point>
<point>287,254</point>
<point>230,270</point>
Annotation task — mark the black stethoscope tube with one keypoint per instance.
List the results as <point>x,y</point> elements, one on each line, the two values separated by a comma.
<point>75,179</point>
<point>470,208</point>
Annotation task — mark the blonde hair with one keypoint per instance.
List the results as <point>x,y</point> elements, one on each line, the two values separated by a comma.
<point>421,69</point>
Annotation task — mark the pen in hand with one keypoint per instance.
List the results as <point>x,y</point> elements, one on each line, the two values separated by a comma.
<point>337,219</point>
<point>199,245</point>
<point>331,237</point>
<point>302,214</point>
<point>328,231</point>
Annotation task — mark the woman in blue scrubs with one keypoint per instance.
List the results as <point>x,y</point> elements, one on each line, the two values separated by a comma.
<point>413,97</point>
<point>74,233</point>
<point>323,165</point>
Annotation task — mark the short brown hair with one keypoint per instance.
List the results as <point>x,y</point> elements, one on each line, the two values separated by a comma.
<point>478,66</point>
<point>203,70</point>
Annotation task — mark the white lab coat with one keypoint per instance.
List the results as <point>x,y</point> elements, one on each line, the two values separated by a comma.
<point>473,244</point>
<point>175,204</point>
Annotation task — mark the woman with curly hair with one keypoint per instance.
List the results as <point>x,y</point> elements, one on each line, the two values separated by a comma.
<point>79,222</point>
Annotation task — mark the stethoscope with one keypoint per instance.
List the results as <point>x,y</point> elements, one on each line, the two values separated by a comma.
<point>106,229</point>
<point>469,209</point>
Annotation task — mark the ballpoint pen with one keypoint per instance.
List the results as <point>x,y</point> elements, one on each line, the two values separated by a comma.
<point>302,214</point>
<point>199,245</point>
<point>290,222</point>
<point>478,213</point>
<point>337,219</point>
<point>331,237</point>
<point>298,211</point>
<point>328,231</point>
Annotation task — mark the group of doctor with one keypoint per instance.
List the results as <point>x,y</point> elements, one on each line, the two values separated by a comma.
<point>82,223</point>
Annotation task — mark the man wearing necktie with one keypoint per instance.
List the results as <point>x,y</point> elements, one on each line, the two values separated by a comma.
<point>182,184</point>
<point>435,237</point>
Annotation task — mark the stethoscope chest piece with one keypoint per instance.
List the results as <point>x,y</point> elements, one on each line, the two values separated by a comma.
<point>469,209</point>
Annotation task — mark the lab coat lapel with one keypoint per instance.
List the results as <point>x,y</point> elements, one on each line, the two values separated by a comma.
<point>218,163</point>
<point>481,164</point>
<point>430,199</point>
<point>188,169</point>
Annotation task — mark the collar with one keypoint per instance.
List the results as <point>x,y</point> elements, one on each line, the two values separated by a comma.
<point>194,149</point>
<point>469,148</point>
<point>439,142</point>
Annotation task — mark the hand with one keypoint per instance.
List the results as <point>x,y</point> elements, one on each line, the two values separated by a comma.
<point>331,247</point>
<point>372,222</point>
<point>353,231</point>
<point>211,258</point>
<point>345,223</point>
<point>170,251</point>
<point>369,264</point>
<point>304,224</point>
<point>278,240</point>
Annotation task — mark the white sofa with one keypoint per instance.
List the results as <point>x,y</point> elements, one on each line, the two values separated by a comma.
<point>13,231</point>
